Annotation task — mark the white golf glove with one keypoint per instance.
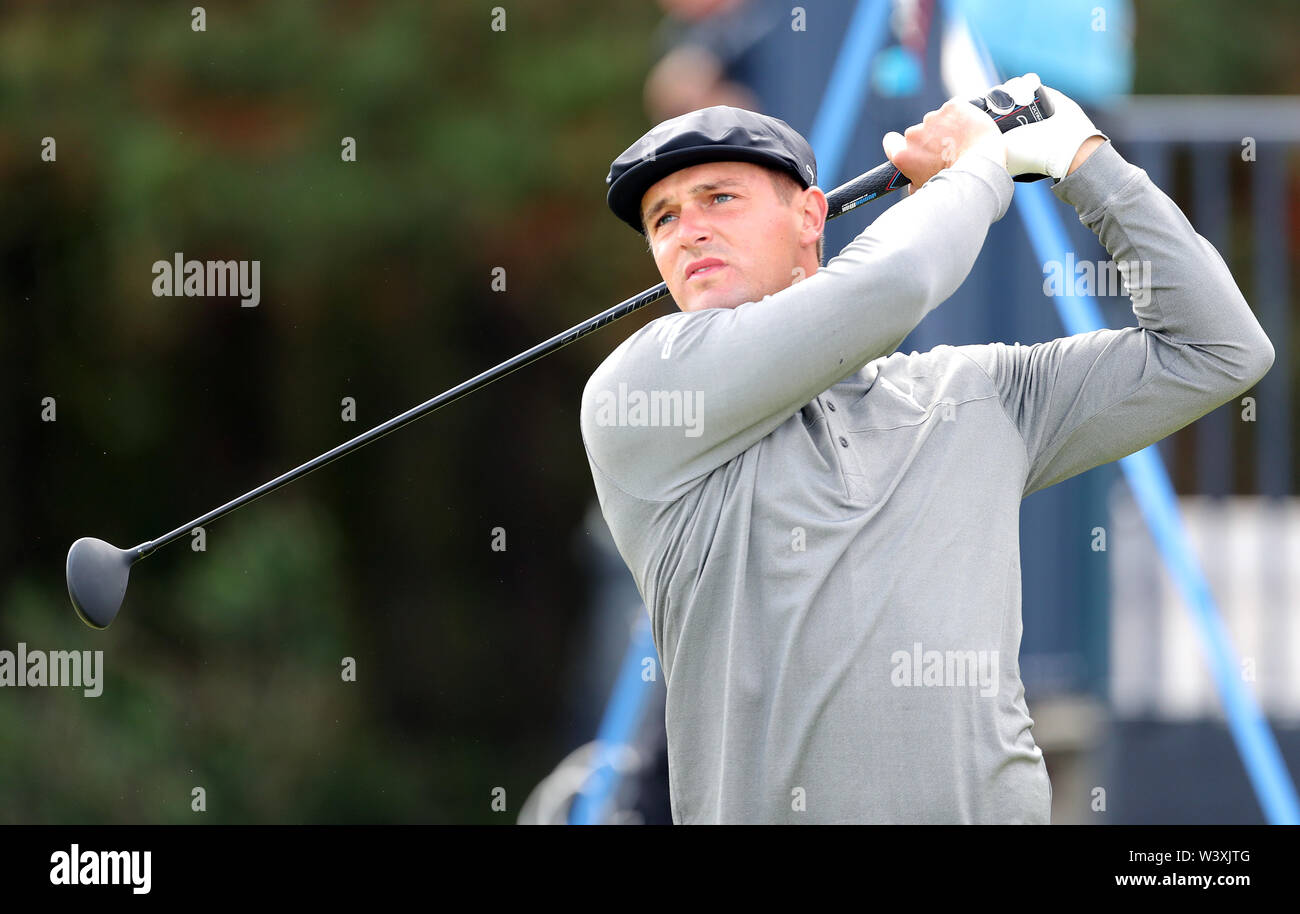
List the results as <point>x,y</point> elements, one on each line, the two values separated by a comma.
<point>1046,147</point>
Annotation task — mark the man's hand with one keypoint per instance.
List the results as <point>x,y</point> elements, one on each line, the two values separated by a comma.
<point>942,137</point>
<point>1052,147</point>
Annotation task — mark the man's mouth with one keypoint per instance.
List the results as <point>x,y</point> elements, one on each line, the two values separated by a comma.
<point>705,270</point>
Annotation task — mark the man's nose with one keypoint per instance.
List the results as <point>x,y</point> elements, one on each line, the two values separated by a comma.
<point>693,225</point>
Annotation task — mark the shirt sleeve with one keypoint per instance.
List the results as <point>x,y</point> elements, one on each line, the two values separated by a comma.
<point>733,375</point>
<point>1084,400</point>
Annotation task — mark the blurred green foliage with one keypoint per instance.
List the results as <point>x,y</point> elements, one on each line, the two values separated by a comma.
<point>475,149</point>
<point>1216,47</point>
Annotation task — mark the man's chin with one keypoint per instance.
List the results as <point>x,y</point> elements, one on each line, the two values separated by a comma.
<point>715,298</point>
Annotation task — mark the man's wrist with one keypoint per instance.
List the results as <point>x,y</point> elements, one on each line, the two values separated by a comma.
<point>1086,148</point>
<point>992,147</point>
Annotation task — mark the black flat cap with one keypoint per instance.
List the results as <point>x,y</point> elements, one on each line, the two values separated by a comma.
<point>717,134</point>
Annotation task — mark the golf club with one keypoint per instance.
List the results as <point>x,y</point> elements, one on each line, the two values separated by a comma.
<point>97,571</point>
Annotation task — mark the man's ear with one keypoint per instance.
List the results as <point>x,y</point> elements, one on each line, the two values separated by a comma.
<point>815,208</point>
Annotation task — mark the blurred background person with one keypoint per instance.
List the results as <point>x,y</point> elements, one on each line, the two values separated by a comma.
<point>705,48</point>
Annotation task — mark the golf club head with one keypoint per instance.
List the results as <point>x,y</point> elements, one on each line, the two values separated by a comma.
<point>97,575</point>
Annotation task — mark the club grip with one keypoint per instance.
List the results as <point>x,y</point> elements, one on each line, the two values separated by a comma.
<point>885,178</point>
<point>1008,115</point>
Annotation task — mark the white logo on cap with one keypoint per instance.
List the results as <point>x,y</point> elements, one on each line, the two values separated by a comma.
<point>812,179</point>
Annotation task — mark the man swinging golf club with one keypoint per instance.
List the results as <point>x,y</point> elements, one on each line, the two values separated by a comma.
<point>825,531</point>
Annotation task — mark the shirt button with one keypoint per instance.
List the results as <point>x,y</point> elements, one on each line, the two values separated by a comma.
<point>830,406</point>
<point>844,441</point>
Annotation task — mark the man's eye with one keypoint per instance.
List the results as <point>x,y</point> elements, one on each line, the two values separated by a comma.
<point>660,220</point>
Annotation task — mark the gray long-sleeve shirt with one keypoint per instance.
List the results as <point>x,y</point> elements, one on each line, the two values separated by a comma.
<point>826,535</point>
